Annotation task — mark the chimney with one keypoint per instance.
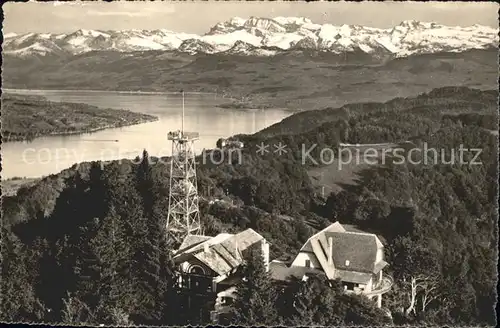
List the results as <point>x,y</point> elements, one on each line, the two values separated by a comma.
<point>205,248</point>
<point>265,253</point>
<point>330,251</point>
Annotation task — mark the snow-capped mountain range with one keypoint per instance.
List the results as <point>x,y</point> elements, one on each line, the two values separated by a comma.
<point>264,37</point>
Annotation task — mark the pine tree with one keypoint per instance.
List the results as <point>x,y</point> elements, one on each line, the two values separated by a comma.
<point>255,304</point>
<point>120,318</point>
<point>319,302</point>
<point>145,184</point>
<point>112,252</point>
<point>76,312</point>
<point>109,247</point>
<point>88,268</point>
<point>150,282</point>
<point>169,297</point>
<point>132,233</point>
<point>17,298</point>
<point>314,303</point>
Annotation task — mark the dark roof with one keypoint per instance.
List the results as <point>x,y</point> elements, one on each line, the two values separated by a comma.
<point>191,241</point>
<point>354,277</point>
<point>280,271</point>
<point>353,251</point>
<point>379,266</point>
<point>352,228</point>
<point>307,248</point>
<point>224,250</point>
<point>332,228</point>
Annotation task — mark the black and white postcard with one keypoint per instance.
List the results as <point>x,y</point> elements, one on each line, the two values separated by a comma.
<point>249,163</point>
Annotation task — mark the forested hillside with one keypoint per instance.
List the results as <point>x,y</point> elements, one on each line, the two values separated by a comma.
<point>87,245</point>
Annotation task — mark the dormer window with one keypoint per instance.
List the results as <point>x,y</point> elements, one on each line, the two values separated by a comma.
<point>349,286</point>
<point>196,269</point>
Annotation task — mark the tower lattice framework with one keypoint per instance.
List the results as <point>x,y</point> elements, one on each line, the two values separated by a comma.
<point>183,211</point>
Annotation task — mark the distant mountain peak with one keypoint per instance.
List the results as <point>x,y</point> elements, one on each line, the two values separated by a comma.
<point>410,22</point>
<point>194,46</point>
<point>9,35</point>
<point>256,35</point>
<point>292,20</point>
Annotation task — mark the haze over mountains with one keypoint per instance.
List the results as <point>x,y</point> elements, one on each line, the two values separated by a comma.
<point>264,37</point>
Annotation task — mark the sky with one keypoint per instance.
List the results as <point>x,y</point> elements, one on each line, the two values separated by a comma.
<point>198,17</point>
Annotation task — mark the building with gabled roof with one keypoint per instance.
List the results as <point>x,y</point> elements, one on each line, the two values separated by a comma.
<point>220,255</point>
<point>207,267</point>
<point>355,258</point>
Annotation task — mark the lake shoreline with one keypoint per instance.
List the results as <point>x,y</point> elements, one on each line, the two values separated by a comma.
<point>28,116</point>
<point>233,103</point>
<point>52,153</point>
<point>253,108</point>
<point>89,131</point>
<point>134,92</point>
<point>12,185</point>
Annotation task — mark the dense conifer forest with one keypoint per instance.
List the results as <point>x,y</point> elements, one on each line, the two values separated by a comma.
<point>87,244</point>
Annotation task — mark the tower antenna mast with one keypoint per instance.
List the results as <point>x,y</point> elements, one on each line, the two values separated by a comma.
<point>182,129</point>
<point>183,216</point>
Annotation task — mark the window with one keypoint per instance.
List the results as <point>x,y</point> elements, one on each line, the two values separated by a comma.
<point>308,263</point>
<point>226,300</point>
<point>195,269</point>
<point>349,286</point>
<point>184,282</point>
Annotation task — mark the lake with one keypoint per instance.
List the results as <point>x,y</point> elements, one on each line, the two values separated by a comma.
<point>48,155</point>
